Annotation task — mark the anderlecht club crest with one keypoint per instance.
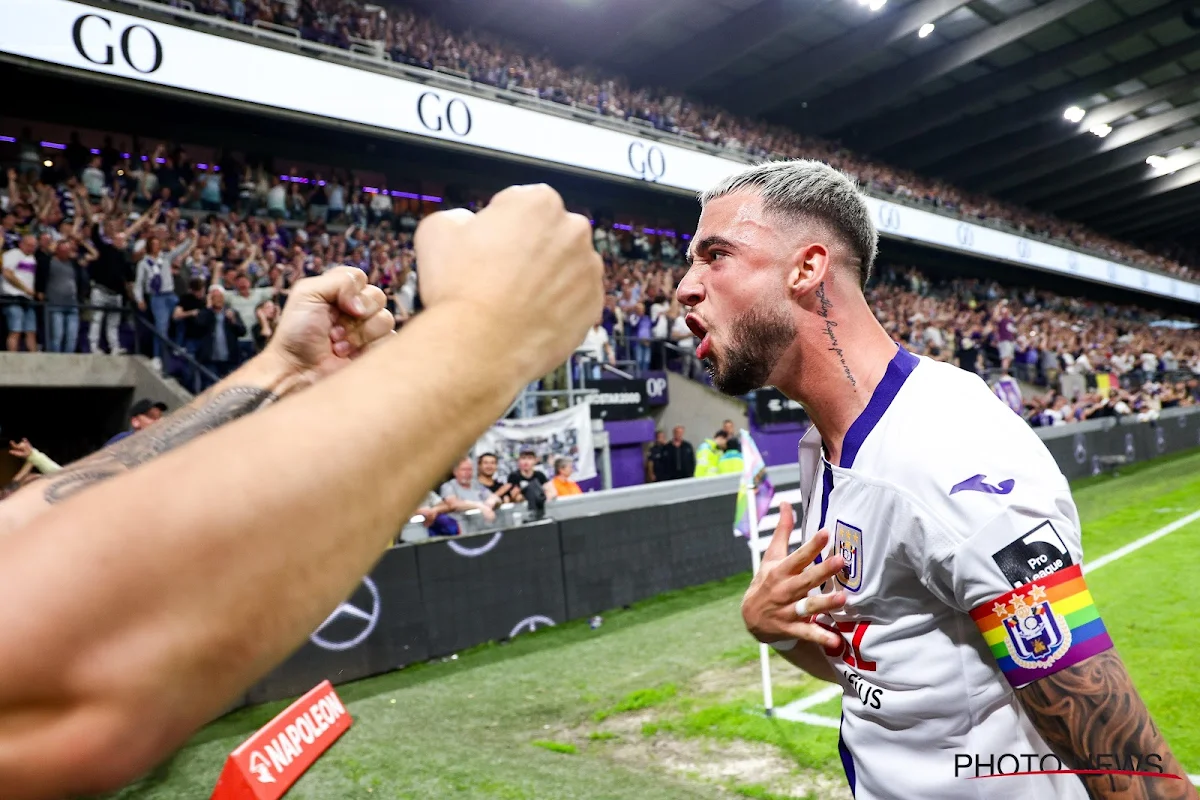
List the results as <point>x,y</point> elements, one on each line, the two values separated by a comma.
<point>1036,635</point>
<point>848,544</point>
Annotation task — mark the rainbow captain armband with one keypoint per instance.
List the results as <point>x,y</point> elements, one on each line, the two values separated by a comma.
<point>1042,627</point>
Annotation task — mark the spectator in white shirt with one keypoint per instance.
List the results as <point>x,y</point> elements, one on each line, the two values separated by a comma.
<point>337,199</point>
<point>277,199</point>
<point>934,339</point>
<point>682,337</point>
<point>1083,364</point>
<point>94,180</point>
<point>381,206</point>
<point>18,268</point>
<point>597,349</point>
<point>245,301</point>
<point>670,253</point>
<point>1149,363</point>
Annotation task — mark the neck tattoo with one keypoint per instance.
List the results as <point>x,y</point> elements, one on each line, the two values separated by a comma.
<point>830,325</point>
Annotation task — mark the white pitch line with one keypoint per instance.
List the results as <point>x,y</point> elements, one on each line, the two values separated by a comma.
<point>1137,544</point>
<point>816,698</point>
<point>807,718</point>
<point>797,711</point>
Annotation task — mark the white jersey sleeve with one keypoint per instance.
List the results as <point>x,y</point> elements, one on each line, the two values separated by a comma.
<point>1003,545</point>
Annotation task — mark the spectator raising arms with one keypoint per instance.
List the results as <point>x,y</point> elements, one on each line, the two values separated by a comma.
<point>265,316</point>
<point>219,328</point>
<point>62,284</point>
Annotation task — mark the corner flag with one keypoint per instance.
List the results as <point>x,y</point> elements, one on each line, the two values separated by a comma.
<point>754,480</point>
<point>753,503</point>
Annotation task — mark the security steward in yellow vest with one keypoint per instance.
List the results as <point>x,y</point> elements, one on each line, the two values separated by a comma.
<point>731,461</point>
<point>708,455</point>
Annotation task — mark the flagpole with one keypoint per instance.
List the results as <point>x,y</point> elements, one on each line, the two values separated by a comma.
<point>764,651</point>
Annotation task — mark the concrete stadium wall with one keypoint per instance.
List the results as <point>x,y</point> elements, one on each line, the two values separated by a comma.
<point>68,405</point>
<point>699,408</point>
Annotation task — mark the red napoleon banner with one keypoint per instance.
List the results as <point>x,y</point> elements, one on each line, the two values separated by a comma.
<point>266,765</point>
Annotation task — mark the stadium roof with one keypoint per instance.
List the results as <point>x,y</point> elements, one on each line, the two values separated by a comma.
<point>980,100</point>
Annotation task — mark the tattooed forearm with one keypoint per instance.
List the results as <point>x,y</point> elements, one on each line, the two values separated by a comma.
<point>1091,716</point>
<point>205,414</point>
<point>826,305</point>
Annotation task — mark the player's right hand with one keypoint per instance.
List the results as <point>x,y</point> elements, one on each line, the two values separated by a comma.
<point>524,258</point>
<point>769,605</point>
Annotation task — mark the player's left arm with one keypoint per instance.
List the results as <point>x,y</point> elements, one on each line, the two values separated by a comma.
<point>1092,717</point>
<point>1019,574</point>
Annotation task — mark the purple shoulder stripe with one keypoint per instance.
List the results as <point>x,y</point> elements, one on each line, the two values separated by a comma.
<point>900,367</point>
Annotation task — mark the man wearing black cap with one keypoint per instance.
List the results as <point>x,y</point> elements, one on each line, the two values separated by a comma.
<point>142,414</point>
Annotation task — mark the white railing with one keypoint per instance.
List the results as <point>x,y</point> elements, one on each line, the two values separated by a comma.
<point>282,30</point>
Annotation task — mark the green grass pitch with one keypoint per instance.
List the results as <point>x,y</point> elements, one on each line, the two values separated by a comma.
<point>659,703</point>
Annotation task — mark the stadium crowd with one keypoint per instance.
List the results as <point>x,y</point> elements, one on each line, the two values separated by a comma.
<point>1136,366</point>
<point>206,264</point>
<point>418,40</point>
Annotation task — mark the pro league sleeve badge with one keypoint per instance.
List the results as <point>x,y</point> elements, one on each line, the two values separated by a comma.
<point>1035,555</point>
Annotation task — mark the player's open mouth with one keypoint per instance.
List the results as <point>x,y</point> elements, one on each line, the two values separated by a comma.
<point>697,326</point>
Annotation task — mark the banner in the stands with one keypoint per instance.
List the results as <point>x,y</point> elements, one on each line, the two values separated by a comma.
<point>563,434</point>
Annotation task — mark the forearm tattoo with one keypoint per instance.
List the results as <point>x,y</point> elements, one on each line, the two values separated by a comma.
<point>1091,716</point>
<point>826,305</point>
<point>208,413</point>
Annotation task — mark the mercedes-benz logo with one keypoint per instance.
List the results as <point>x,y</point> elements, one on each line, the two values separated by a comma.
<point>1024,249</point>
<point>474,552</point>
<point>889,217</point>
<point>1095,465</point>
<point>531,624</point>
<point>1080,449</point>
<point>1182,421</point>
<point>351,622</point>
<point>1129,450</point>
<point>965,235</point>
<point>1160,440</point>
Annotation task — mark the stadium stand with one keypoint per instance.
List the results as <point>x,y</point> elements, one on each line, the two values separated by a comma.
<point>408,37</point>
<point>185,252</point>
<point>232,248</point>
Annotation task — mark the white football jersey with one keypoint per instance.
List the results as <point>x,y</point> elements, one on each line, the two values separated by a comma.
<point>963,580</point>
